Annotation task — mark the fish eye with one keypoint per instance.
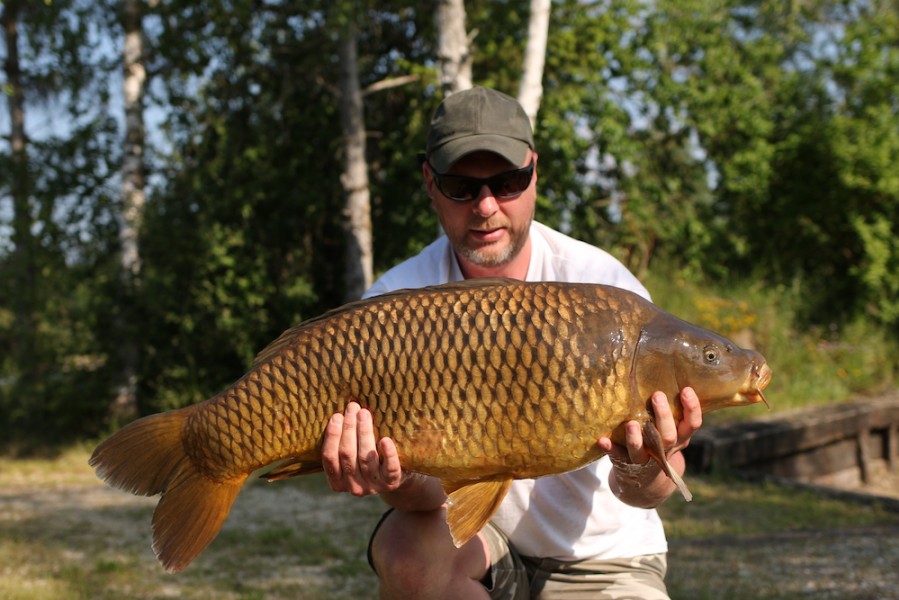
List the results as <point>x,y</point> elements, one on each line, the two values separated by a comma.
<point>710,354</point>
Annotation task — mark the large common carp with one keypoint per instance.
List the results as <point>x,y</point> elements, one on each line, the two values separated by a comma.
<point>478,383</point>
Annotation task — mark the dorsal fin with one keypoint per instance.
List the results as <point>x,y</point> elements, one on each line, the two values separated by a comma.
<point>287,337</point>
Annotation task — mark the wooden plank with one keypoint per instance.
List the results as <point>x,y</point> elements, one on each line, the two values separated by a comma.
<point>766,440</point>
<point>893,446</point>
<point>808,466</point>
<point>865,454</point>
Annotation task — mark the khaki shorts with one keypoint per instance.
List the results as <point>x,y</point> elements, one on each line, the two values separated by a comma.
<point>515,577</point>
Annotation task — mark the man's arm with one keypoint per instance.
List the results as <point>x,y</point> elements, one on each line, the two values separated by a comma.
<point>638,480</point>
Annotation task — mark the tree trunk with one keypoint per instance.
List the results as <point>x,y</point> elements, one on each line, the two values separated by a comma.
<point>530,92</point>
<point>357,205</point>
<point>24,294</point>
<point>453,53</point>
<point>124,406</point>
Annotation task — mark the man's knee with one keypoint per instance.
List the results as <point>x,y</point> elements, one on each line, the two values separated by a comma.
<point>414,556</point>
<point>404,549</point>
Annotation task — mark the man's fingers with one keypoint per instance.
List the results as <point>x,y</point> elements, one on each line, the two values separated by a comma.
<point>664,420</point>
<point>391,471</point>
<point>330,453</point>
<point>692,420</point>
<point>633,435</point>
<point>369,462</point>
<point>348,444</point>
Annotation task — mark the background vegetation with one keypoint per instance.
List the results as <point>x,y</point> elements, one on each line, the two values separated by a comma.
<point>739,155</point>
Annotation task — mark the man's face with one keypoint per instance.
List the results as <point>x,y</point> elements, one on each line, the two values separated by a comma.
<point>485,231</point>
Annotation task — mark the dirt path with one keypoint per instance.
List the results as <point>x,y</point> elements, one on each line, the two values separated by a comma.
<point>841,563</point>
<point>78,538</point>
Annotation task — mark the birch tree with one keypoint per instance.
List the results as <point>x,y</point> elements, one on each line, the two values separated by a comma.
<point>530,91</point>
<point>124,406</point>
<point>357,205</point>
<point>453,47</point>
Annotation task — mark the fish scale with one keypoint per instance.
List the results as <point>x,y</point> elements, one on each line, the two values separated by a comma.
<point>477,383</point>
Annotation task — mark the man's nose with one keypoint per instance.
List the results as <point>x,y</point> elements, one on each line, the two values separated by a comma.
<point>485,204</point>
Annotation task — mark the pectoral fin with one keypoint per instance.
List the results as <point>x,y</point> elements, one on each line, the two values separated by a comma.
<point>470,505</point>
<point>652,442</point>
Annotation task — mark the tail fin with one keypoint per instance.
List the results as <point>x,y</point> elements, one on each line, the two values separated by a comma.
<point>147,457</point>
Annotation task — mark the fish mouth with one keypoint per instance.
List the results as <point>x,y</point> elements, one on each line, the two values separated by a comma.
<point>759,378</point>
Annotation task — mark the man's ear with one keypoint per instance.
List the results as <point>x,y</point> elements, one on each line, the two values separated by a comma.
<point>428,180</point>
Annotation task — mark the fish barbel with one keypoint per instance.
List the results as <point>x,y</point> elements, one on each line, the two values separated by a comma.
<point>478,383</point>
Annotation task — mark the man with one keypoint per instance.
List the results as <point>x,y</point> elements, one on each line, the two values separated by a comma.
<point>589,533</point>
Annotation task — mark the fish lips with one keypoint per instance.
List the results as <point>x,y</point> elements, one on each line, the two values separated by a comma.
<point>749,393</point>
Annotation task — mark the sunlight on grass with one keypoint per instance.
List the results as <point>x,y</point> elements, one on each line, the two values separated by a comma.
<point>730,506</point>
<point>66,535</point>
<point>66,465</point>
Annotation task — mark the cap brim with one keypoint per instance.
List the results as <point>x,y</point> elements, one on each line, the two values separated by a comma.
<point>443,157</point>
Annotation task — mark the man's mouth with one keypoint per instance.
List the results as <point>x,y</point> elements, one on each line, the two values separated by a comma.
<point>487,235</point>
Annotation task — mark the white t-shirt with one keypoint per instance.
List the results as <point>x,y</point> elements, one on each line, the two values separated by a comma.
<point>575,515</point>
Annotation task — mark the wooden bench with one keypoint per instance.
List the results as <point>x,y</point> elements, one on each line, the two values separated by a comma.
<point>844,444</point>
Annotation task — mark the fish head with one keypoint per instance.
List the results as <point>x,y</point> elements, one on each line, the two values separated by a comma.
<point>673,354</point>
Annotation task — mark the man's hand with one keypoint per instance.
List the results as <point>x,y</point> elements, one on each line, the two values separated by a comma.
<point>635,479</point>
<point>352,460</point>
<point>675,436</point>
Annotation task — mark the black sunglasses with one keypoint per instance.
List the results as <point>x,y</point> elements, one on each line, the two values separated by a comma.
<point>502,185</point>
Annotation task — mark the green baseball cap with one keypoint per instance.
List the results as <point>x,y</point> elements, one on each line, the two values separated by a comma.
<point>478,119</point>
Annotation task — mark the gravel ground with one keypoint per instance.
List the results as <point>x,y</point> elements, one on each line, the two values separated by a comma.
<point>846,562</point>
<point>63,535</point>
<point>858,563</point>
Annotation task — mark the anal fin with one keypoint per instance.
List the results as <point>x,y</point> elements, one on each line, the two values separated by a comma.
<point>470,505</point>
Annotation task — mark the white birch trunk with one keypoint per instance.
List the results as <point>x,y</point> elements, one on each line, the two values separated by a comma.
<point>357,207</point>
<point>453,53</point>
<point>124,406</point>
<point>134,85</point>
<point>530,91</point>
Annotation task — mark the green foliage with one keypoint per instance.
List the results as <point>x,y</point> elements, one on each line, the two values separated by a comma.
<point>811,364</point>
<point>243,241</point>
<point>702,142</point>
<point>54,377</point>
<point>879,271</point>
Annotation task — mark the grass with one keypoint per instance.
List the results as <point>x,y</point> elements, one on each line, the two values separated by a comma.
<point>742,541</point>
<point>727,506</point>
<point>64,535</point>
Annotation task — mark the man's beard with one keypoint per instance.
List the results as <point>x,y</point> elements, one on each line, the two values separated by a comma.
<point>482,255</point>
